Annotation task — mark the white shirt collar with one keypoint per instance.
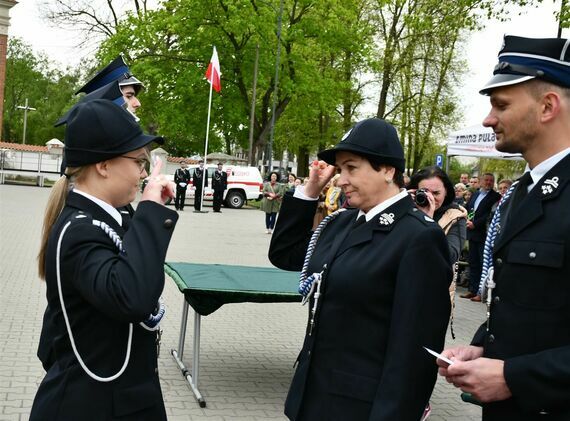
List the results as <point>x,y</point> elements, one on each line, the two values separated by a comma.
<point>541,169</point>
<point>383,205</point>
<point>106,207</point>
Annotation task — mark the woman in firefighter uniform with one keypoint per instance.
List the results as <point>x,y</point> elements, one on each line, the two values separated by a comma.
<point>99,336</point>
<point>377,278</point>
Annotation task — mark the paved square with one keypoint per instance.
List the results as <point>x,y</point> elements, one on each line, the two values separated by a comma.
<point>247,350</point>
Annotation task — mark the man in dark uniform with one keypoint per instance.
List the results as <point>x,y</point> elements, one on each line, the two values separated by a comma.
<point>518,363</point>
<point>116,83</point>
<point>219,185</point>
<point>181,178</point>
<point>199,180</point>
<point>117,72</point>
<point>479,209</point>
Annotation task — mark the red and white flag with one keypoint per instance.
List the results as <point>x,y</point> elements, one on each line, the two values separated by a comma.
<point>213,73</point>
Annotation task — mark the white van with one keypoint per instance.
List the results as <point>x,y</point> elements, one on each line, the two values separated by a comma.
<point>244,183</point>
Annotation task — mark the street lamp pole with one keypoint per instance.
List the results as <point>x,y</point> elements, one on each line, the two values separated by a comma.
<point>274,106</point>
<point>25,108</point>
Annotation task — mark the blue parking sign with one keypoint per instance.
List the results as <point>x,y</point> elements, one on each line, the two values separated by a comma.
<point>439,160</point>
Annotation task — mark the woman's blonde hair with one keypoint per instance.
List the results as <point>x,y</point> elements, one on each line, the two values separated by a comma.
<point>56,202</point>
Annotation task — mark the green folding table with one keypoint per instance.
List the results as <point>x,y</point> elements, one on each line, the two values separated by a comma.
<point>207,287</point>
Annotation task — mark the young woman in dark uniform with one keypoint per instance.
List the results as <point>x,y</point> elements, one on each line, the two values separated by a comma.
<point>378,287</point>
<point>99,337</point>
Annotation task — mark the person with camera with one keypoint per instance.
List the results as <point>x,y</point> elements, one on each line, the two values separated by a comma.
<point>434,194</point>
<point>376,279</point>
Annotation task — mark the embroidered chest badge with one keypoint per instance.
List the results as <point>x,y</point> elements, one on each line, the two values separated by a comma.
<point>386,219</point>
<point>549,185</point>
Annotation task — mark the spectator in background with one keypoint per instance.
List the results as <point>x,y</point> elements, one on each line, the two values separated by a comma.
<point>464,179</point>
<point>479,209</point>
<point>467,196</point>
<point>504,185</point>
<point>460,190</point>
<point>334,196</point>
<point>406,180</point>
<point>474,183</point>
<point>291,181</point>
<point>441,207</point>
<point>298,182</point>
<point>272,195</point>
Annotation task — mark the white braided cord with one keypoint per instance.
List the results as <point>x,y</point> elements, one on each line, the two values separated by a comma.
<point>151,324</point>
<point>492,232</point>
<point>306,282</point>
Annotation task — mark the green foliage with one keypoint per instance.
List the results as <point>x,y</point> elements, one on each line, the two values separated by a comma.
<point>323,46</point>
<point>49,91</point>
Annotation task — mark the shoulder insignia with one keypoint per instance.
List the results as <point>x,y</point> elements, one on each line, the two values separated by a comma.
<point>81,216</point>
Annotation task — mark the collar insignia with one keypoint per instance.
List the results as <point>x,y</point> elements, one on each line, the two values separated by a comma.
<point>549,185</point>
<point>427,218</point>
<point>386,219</point>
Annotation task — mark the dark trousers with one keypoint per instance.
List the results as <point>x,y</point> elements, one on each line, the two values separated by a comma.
<point>180,198</point>
<point>197,199</point>
<point>218,196</point>
<point>475,264</point>
<point>270,220</point>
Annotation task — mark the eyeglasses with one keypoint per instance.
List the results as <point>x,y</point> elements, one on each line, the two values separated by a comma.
<point>143,163</point>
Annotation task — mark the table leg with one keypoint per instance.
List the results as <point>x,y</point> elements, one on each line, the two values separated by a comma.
<point>192,379</point>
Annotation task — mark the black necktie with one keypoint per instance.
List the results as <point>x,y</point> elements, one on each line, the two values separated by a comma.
<point>126,220</point>
<point>359,221</point>
<point>521,190</point>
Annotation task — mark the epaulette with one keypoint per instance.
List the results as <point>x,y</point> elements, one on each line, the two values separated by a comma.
<point>80,217</point>
<point>419,215</point>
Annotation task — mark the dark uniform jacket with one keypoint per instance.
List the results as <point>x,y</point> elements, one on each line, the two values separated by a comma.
<point>530,312</point>
<point>181,176</point>
<point>104,291</point>
<point>219,181</point>
<point>385,296</point>
<point>481,215</point>
<point>197,178</point>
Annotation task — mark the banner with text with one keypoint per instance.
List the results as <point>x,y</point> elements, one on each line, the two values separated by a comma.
<point>478,141</point>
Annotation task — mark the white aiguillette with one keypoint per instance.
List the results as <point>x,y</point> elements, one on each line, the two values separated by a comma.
<point>439,356</point>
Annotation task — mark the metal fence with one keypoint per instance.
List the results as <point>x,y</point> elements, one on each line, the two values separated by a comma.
<point>40,166</point>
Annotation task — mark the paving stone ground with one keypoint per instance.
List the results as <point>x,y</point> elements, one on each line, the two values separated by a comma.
<point>247,350</point>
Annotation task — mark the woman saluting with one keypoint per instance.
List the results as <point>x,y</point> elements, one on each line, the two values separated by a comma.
<point>377,278</point>
<point>99,337</point>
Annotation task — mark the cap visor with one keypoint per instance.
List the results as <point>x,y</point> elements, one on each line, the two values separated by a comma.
<point>503,79</point>
<point>146,139</point>
<point>328,155</point>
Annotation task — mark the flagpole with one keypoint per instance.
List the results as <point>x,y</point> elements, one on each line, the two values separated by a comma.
<point>206,148</point>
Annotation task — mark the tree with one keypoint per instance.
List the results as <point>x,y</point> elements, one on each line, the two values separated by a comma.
<point>170,48</point>
<point>418,65</point>
<point>49,91</point>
